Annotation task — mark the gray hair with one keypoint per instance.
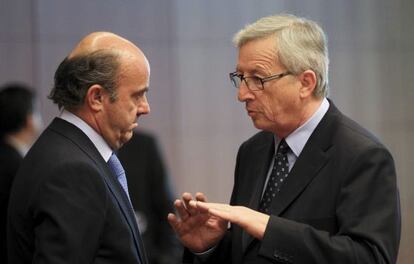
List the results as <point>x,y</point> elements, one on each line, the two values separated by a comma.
<point>301,45</point>
<point>75,75</point>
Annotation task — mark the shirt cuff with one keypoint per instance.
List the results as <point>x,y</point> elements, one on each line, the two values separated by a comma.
<point>203,256</point>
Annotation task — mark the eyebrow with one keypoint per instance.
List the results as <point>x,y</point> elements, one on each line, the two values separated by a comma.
<point>253,72</point>
<point>142,91</point>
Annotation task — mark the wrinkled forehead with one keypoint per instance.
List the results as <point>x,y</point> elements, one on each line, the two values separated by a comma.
<point>260,52</point>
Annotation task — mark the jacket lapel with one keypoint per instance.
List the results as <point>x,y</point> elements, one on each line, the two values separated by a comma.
<point>126,208</point>
<point>261,156</point>
<point>306,167</point>
<point>312,159</point>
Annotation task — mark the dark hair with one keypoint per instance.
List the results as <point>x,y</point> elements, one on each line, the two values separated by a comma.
<point>16,104</point>
<point>75,75</point>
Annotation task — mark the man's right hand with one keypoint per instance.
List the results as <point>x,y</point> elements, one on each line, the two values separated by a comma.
<point>197,229</point>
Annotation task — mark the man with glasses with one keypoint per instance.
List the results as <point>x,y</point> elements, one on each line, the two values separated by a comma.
<point>313,186</point>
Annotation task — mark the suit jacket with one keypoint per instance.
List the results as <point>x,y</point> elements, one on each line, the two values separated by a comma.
<point>151,196</point>
<point>67,207</point>
<point>339,204</point>
<point>10,160</point>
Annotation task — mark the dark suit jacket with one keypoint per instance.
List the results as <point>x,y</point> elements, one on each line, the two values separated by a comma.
<point>67,207</point>
<point>339,204</point>
<point>10,160</point>
<point>151,196</point>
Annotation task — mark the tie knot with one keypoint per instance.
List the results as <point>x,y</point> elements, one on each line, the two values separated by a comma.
<point>115,165</point>
<point>283,147</point>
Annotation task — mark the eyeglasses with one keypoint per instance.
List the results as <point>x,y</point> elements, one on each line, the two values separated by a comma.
<point>253,83</point>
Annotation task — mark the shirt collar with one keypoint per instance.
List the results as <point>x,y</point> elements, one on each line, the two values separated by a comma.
<point>96,139</point>
<point>298,138</point>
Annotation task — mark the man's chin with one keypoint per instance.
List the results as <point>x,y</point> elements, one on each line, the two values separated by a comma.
<point>126,137</point>
<point>259,124</point>
<point>122,140</point>
<point>256,122</point>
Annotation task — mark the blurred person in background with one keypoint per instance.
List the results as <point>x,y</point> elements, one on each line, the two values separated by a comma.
<point>20,124</point>
<point>151,196</point>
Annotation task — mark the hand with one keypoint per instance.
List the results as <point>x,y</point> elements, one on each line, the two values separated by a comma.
<point>251,221</point>
<point>197,229</point>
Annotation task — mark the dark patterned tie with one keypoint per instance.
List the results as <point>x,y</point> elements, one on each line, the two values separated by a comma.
<point>277,178</point>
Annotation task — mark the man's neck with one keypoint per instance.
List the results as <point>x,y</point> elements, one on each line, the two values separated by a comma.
<point>308,110</point>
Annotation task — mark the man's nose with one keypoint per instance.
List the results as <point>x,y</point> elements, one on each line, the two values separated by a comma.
<point>144,107</point>
<point>244,93</point>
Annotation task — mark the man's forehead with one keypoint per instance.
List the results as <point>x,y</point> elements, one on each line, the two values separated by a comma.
<point>254,59</point>
<point>103,41</point>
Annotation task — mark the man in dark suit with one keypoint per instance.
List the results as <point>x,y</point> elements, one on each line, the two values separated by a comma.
<point>151,195</point>
<point>67,204</point>
<point>19,127</point>
<point>313,186</point>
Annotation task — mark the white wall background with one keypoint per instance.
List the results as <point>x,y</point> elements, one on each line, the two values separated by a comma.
<point>195,113</point>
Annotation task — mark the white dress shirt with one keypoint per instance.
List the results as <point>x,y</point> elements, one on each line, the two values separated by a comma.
<point>96,139</point>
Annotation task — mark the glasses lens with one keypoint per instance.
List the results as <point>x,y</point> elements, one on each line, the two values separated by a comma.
<point>235,79</point>
<point>255,83</point>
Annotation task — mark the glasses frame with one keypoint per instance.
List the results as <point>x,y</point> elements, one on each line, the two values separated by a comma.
<point>234,75</point>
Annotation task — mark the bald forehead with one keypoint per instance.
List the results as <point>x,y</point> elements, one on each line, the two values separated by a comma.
<point>106,41</point>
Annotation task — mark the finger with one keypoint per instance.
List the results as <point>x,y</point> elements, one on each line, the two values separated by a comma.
<point>181,210</point>
<point>174,222</point>
<point>172,219</point>
<point>187,196</point>
<point>191,209</point>
<point>223,214</point>
<point>200,206</point>
<point>201,197</point>
<point>217,206</point>
<point>223,211</point>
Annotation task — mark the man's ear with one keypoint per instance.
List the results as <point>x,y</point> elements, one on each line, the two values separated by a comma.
<point>308,80</point>
<point>95,97</point>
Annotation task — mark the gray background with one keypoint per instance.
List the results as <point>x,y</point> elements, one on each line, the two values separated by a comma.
<point>194,110</point>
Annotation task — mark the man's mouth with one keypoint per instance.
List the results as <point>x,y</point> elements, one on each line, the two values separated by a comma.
<point>134,125</point>
<point>250,111</point>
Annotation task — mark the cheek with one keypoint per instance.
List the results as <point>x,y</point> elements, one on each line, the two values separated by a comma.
<point>124,111</point>
<point>132,108</point>
<point>127,115</point>
<point>270,107</point>
<point>118,115</point>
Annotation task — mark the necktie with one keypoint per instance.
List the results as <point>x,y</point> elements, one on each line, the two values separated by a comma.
<point>279,174</point>
<point>117,169</point>
<point>119,172</point>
